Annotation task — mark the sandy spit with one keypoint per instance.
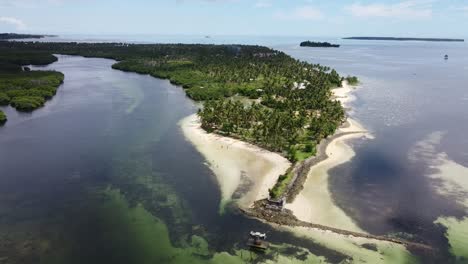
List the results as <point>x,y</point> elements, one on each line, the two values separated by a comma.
<point>244,172</point>
<point>314,203</point>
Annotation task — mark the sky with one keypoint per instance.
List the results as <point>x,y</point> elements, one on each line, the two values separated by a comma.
<point>412,18</point>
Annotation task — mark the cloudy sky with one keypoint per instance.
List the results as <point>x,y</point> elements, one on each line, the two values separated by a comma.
<point>438,18</point>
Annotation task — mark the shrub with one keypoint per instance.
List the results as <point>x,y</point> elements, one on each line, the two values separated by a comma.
<point>352,80</point>
<point>3,118</point>
<point>4,99</point>
<point>27,103</point>
<point>308,147</point>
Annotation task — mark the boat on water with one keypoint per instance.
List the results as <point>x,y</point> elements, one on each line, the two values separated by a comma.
<point>257,241</point>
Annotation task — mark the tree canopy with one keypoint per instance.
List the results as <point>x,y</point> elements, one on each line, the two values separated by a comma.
<point>288,105</point>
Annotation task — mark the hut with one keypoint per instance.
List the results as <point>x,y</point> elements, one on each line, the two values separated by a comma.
<point>257,241</point>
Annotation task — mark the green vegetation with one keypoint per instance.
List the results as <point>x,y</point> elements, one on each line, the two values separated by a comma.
<point>281,185</point>
<point>3,118</point>
<point>293,108</point>
<point>352,80</point>
<point>318,44</point>
<point>291,116</point>
<point>20,87</point>
<point>205,71</point>
<point>28,90</point>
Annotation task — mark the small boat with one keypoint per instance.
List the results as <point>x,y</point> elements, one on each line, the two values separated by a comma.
<point>257,241</point>
<point>446,57</point>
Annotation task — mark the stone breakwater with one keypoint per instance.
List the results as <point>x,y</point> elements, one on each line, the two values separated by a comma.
<point>287,218</point>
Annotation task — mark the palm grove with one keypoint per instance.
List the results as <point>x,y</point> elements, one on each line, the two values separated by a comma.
<point>253,93</point>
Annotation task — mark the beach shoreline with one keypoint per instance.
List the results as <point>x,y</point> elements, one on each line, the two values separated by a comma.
<point>314,186</point>
<point>246,172</point>
<point>243,171</point>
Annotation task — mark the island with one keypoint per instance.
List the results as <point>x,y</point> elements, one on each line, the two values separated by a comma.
<point>277,109</point>
<point>408,39</point>
<point>8,36</point>
<point>318,44</point>
<point>253,93</point>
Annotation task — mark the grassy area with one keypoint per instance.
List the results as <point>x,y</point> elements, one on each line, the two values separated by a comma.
<point>305,151</point>
<point>300,153</point>
<point>281,185</point>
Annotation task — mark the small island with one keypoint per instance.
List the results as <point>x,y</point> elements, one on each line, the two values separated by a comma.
<point>7,36</point>
<point>318,44</point>
<point>408,39</point>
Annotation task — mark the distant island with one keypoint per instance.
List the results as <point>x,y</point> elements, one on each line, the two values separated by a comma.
<point>408,39</point>
<point>319,44</point>
<point>6,36</point>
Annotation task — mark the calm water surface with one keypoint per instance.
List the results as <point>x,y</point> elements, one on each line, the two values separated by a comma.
<point>109,129</point>
<point>105,126</point>
<point>408,93</point>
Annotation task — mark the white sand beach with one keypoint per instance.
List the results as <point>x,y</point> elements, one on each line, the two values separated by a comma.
<point>344,94</point>
<point>246,172</point>
<point>315,203</point>
<point>237,165</point>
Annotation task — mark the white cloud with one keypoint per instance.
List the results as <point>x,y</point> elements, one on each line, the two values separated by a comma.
<point>28,3</point>
<point>410,9</point>
<point>263,4</point>
<point>301,13</point>
<point>19,24</point>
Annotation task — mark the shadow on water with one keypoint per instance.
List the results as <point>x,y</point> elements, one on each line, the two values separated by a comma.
<point>386,194</point>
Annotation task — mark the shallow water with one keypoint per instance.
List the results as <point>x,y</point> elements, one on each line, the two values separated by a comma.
<point>408,93</point>
<point>107,128</point>
<point>75,175</point>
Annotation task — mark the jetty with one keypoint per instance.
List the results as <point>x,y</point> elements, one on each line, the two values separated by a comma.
<point>286,217</point>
